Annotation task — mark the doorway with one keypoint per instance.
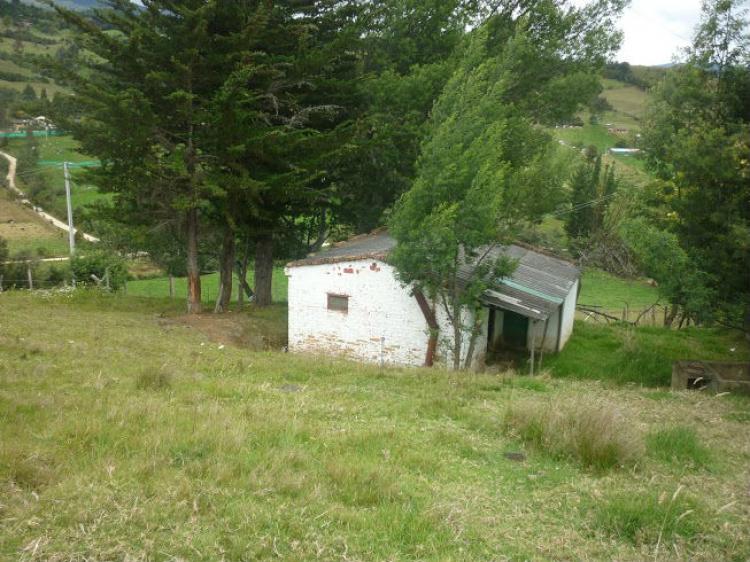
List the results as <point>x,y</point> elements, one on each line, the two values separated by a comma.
<point>515,330</point>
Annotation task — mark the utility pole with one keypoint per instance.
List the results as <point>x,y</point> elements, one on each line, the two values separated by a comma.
<point>71,230</point>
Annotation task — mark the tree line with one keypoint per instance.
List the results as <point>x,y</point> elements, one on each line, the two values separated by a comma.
<point>230,128</point>
<point>232,132</point>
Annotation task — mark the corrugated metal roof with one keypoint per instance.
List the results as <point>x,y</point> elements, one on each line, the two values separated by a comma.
<point>519,302</point>
<point>537,287</point>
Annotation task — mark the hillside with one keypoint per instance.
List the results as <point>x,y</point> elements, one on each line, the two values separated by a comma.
<point>191,449</point>
<point>27,31</point>
<point>25,231</point>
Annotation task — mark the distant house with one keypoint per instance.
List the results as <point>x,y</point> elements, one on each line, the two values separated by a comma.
<point>625,151</point>
<point>347,300</point>
<point>39,123</point>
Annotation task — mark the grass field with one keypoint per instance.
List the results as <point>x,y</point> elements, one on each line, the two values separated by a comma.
<point>599,288</point>
<point>628,103</point>
<point>158,287</point>
<point>125,432</point>
<point>628,109</point>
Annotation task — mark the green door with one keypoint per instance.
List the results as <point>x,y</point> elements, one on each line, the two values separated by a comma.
<point>515,329</point>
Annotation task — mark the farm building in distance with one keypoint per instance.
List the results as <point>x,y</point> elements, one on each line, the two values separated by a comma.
<point>347,300</point>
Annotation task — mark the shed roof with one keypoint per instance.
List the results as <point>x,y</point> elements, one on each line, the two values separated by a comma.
<point>538,286</point>
<point>375,245</point>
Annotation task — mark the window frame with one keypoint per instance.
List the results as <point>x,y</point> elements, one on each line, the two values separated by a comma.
<point>332,297</point>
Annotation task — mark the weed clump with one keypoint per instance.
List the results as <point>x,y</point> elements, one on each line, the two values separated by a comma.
<point>597,436</point>
<point>678,444</point>
<point>648,518</point>
<point>153,380</point>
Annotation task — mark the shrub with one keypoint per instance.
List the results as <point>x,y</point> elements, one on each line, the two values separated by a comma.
<point>678,444</point>
<point>648,518</point>
<point>57,275</point>
<point>597,436</point>
<point>98,263</point>
<point>3,254</point>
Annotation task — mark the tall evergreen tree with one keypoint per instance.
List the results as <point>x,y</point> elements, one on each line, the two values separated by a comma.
<point>280,117</point>
<point>592,188</point>
<point>145,94</point>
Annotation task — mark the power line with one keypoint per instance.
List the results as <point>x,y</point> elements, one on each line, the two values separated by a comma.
<point>584,205</point>
<point>35,171</point>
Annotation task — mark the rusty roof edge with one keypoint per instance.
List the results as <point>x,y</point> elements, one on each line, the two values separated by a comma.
<point>324,260</point>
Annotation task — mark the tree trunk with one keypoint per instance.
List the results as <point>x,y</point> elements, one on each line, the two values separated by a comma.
<point>432,324</point>
<point>193,269</point>
<point>475,330</point>
<point>242,275</point>
<point>457,337</point>
<point>322,233</point>
<point>263,271</point>
<point>226,269</point>
<point>670,316</point>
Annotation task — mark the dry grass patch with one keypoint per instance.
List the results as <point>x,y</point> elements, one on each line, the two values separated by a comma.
<point>596,435</point>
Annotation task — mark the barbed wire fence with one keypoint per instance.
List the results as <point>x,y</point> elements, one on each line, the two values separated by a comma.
<point>654,315</point>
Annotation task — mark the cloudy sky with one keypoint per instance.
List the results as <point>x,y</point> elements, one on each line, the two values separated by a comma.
<point>655,30</point>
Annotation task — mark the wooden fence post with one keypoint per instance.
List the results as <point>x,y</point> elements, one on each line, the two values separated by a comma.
<point>29,276</point>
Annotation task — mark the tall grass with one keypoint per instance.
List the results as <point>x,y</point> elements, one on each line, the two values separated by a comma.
<point>649,517</point>
<point>678,444</point>
<point>597,436</point>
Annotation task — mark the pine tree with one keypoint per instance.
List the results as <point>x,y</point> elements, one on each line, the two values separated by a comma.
<point>28,94</point>
<point>146,110</point>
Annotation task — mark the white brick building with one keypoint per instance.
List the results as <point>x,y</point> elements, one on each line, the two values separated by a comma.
<point>348,301</point>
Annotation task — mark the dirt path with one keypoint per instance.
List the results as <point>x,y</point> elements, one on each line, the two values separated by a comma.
<point>57,223</point>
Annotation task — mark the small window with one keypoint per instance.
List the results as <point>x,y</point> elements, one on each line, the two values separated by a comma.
<point>338,302</point>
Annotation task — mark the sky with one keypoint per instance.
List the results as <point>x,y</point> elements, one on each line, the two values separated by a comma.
<point>655,30</point>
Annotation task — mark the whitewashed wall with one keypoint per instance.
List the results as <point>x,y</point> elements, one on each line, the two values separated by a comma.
<point>536,333</point>
<point>384,320</point>
<point>445,341</point>
<point>569,315</point>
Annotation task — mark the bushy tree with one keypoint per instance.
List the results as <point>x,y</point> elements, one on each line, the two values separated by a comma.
<point>697,140</point>
<point>486,167</point>
<point>144,86</point>
<point>660,256</point>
